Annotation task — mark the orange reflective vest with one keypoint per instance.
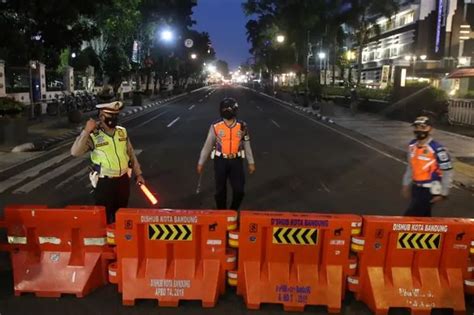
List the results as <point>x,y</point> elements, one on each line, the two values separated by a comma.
<point>229,138</point>
<point>428,161</point>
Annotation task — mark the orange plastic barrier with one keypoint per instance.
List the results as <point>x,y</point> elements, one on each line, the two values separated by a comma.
<point>415,263</point>
<point>57,251</point>
<point>294,259</point>
<point>172,255</point>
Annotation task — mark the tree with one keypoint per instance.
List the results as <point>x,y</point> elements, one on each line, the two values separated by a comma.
<point>41,30</point>
<point>361,15</point>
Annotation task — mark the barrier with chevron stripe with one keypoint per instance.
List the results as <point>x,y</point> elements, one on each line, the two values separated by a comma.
<point>295,236</point>
<point>419,264</point>
<point>419,240</point>
<point>170,232</point>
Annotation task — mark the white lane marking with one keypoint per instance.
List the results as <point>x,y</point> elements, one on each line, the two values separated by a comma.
<point>191,107</point>
<point>173,122</point>
<point>32,185</point>
<point>275,123</point>
<point>340,133</point>
<point>34,171</point>
<point>259,108</point>
<point>200,101</point>
<point>325,187</point>
<point>150,120</point>
<point>76,177</point>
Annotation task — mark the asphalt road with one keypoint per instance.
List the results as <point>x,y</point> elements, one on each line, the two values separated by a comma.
<point>302,165</point>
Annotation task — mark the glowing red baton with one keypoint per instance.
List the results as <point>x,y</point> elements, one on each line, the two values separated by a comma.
<point>148,194</point>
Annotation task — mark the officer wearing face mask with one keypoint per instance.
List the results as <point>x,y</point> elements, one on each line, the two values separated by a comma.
<point>429,172</point>
<point>113,158</point>
<point>228,143</point>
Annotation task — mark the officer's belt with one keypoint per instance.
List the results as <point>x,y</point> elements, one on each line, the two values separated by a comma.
<point>229,156</point>
<point>424,185</point>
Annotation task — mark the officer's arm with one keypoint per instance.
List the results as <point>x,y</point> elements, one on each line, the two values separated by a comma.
<point>133,159</point>
<point>82,144</point>
<point>208,145</point>
<point>407,177</point>
<point>446,166</point>
<point>248,147</point>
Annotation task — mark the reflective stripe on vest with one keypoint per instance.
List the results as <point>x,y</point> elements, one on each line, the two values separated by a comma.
<point>110,152</point>
<point>423,163</point>
<point>229,139</point>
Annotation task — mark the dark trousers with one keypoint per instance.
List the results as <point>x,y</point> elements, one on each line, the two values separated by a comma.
<point>420,205</point>
<point>112,193</point>
<point>232,169</point>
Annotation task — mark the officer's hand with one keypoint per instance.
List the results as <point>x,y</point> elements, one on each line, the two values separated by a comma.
<point>437,199</point>
<point>199,169</point>
<point>140,180</point>
<point>251,169</point>
<point>91,125</point>
<point>406,192</point>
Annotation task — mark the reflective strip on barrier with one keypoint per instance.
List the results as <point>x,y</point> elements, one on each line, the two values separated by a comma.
<point>232,274</point>
<point>112,273</point>
<point>95,241</point>
<point>231,259</point>
<point>353,266</point>
<point>353,280</point>
<point>232,223</point>
<point>49,240</point>
<point>17,240</point>
<point>356,228</point>
<point>295,236</point>
<point>357,244</point>
<point>469,283</point>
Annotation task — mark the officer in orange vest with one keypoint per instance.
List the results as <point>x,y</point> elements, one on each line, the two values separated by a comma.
<point>228,143</point>
<point>429,172</point>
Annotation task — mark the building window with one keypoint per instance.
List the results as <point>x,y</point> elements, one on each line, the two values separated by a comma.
<point>393,51</point>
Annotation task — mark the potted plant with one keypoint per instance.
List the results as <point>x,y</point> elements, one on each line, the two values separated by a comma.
<point>13,125</point>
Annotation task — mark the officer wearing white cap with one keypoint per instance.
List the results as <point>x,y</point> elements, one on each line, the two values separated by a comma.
<point>112,155</point>
<point>429,173</point>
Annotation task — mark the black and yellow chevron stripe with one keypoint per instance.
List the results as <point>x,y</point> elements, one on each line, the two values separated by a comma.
<point>295,236</point>
<point>170,232</point>
<point>419,240</point>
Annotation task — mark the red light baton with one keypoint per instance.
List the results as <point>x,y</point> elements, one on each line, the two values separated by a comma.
<point>148,194</point>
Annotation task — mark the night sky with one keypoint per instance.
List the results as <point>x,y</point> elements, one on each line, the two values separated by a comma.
<point>225,21</point>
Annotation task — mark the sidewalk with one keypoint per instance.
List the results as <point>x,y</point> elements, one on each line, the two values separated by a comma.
<point>397,134</point>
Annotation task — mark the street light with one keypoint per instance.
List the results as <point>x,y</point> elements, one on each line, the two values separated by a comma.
<point>321,55</point>
<point>423,57</point>
<point>167,35</point>
<point>211,68</point>
<point>73,55</point>
<point>193,56</point>
<point>280,39</point>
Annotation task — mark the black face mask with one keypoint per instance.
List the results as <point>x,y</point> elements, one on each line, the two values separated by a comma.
<point>111,121</point>
<point>421,135</point>
<point>227,114</point>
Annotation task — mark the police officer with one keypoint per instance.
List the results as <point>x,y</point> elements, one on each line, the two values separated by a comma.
<point>228,143</point>
<point>429,172</point>
<point>112,158</point>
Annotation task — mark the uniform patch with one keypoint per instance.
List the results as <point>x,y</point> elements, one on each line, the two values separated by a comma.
<point>98,145</point>
<point>221,133</point>
<point>121,133</point>
<point>443,156</point>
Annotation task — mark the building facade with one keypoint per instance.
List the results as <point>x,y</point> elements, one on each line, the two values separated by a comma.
<point>427,37</point>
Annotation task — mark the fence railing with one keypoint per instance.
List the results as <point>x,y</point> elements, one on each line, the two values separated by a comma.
<point>461,111</point>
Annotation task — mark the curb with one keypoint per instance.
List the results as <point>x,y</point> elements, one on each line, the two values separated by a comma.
<point>43,144</point>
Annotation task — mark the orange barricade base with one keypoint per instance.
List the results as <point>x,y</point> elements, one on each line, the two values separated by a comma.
<point>172,255</point>
<point>294,259</point>
<point>57,251</point>
<point>414,263</point>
